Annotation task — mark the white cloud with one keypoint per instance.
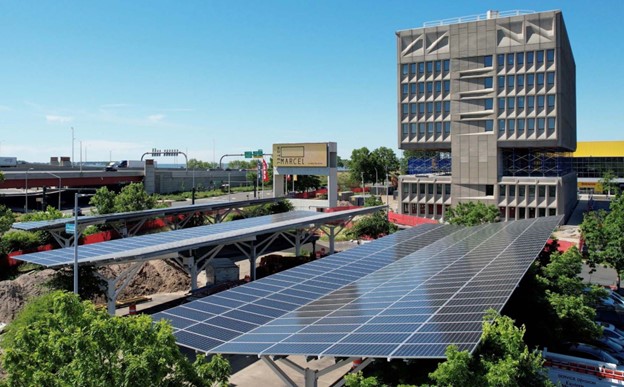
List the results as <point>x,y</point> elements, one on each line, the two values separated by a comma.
<point>156,118</point>
<point>58,119</point>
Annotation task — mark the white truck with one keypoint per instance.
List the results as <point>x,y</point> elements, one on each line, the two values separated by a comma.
<point>577,371</point>
<point>8,162</point>
<point>125,164</point>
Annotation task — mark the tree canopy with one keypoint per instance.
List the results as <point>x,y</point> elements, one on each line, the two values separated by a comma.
<point>608,183</point>
<point>57,340</point>
<point>472,214</point>
<point>374,165</point>
<point>604,236</point>
<point>199,164</point>
<point>131,198</point>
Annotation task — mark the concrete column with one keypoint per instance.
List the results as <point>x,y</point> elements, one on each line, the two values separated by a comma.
<point>252,261</point>
<point>278,184</point>
<point>298,243</point>
<point>149,178</point>
<point>111,299</point>
<point>332,238</point>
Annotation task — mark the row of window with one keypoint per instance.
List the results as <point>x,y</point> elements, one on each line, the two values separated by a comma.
<point>512,103</point>
<point>518,80</point>
<point>422,108</point>
<point>428,68</point>
<point>426,127</point>
<point>530,124</point>
<point>527,191</point>
<point>419,88</point>
<point>519,58</point>
<point>427,188</point>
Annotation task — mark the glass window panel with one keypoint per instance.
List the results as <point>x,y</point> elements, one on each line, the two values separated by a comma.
<point>500,60</point>
<point>447,65</point>
<point>551,101</point>
<point>520,102</point>
<point>511,126</point>
<point>520,58</point>
<point>520,125</point>
<point>487,61</point>
<point>447,127</point>
<point>501,125</point>
<point>501,81</point>
<point>529,57</point>
<point>550,56</point>
<point>487,82</point>
<point>550,77</point>
<point>540,57</point>
<point>489,104</point>
<point>489,125</point>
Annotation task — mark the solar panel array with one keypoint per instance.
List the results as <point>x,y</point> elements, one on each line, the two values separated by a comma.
<point>408,295</point>
<point>90,219</point>
<point>151,245</point>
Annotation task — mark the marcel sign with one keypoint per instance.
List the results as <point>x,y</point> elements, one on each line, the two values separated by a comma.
<point>300,155</point>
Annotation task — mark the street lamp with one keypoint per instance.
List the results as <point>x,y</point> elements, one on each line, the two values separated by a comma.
<point>76,196</point>
<point>59,188</point>
<point>26,192</point>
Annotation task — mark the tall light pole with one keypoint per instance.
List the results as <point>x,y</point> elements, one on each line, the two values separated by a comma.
<point>26,192</point>
<point>73,161</point>
<point>80,155</point>
<point>76,196</point>
<point>59,188</point>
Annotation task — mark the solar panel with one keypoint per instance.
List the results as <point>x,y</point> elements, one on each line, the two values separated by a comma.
<point>408,295</point>
<point>151,245</point>
<point>133,215</point>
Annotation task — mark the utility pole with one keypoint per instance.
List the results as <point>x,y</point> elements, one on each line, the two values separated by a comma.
<point>73,140</point>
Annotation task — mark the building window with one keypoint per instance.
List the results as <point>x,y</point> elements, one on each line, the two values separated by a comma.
<point>413,89</point>
<point>447,65</point>
<point>447,106</point>
<point>487,61</point>
<point>552,190</point>
<point>405,128</point>
<point>520,80</point>
<point>438,107</point>
<point>541,191</point>
<point>488,104</point>
<point>510,59</point>
<point>438,66</point>
<point>429,88</point>
<point>406,188</point>
<point>438,189</point>
<point>413,129</point>
<point>447,189</point>
<point>531,192</point>
<point>438,86</point>
<point>438,127</point>
<point>530,125</point>
<point>551,101</point>
<point>512,192</point>
<point>529,58</point>
<point>404,69</point>
<point>412,68</point>
<point>447,127</point>
<point>421,68</point>
<point>429,127</point>
<point>520,124</point>
<point>550,78</point>
<point>551,123</point>
<point>429,107</point>
<point>422,188</point>
<point>421,88</point>
<point>540,101</point>
<point>430,189</point>
<point>421,128</point>
<point>510,103</point>
<point>540,125</point>
<point>501,126</point>
<point>520,58</point>
<point>540,57</point>
<point>501,190</point>
<point>500,60</point>
<point>520,102</point>
<point>413,108</point>
<point>501,104</point>
<point>511,126</point>
<point>404,89</point>
<point>530,80</point>
<point>487,82</point>
<point>550,56</point>
<point>510,81</point>
<point>521,191</point>
<point>447,86</point>
<point>421,108</point>
<point>404,108</point>
<point>489,190</point>
<point>530,102</point>
<point>489,125</point>
<point>540,79</point>
<point>429,67</point>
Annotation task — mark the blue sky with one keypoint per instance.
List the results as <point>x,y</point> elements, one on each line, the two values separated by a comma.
<point>219,77</point>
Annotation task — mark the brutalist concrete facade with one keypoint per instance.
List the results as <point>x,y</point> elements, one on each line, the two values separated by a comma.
<point>499,94</point>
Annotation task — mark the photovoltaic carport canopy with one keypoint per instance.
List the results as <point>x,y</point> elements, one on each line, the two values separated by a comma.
<point>408,295</point>
<point>152,245</point>
<point>132,215</point>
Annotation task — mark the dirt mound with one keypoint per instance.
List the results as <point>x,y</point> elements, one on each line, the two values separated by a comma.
<point>14,294</point>
<point>154,277</point>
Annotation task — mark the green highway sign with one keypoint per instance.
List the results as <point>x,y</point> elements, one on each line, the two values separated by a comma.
<point>70,228</point>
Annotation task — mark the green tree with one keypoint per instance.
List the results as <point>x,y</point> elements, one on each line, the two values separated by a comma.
<point>386,161</point>
<point>134,198</point>
<point>609,185</point>
<point>374,226</point>
<point>7,218</point>
<point>59,341</point>
<point>50,213</point>
<point>472,214</point>
<point>358,380</point>
<point>604,236</point>
<point>198,164</point>
<point>360,165</point>
<point>307,182</point>
<point>242,164</point>
<point>502,359</point>
<point>103,201</point>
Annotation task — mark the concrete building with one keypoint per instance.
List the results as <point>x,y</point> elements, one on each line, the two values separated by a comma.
<point>489,104</point>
